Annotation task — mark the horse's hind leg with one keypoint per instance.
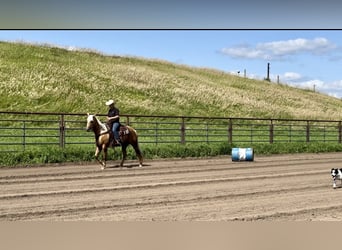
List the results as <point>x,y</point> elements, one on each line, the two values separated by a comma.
<point>124,155</point>
<point>138,153</point>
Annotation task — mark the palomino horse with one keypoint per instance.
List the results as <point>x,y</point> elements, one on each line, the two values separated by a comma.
<point>104,136</point>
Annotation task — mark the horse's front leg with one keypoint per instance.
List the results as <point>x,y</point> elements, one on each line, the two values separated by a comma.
<point>104,158</point>
<point>97,152</point>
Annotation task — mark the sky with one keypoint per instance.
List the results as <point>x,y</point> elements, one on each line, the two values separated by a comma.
<point>309,59</point>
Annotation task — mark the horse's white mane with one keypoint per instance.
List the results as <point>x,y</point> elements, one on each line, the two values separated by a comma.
<point>102,125</point>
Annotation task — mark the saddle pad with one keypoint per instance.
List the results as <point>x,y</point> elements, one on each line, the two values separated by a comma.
<point>123,131</point>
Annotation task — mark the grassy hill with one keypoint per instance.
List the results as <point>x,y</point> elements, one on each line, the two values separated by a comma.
<point>51,79</point>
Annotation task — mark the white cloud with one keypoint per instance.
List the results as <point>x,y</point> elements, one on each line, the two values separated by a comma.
<point>317,84</point>
<point>245,52</point>
<point>280,49</point>
<point>322,86</point>
<point>336,84</point>
<point>333,89</point>
<point>297,80</point>
<point>291,76</point>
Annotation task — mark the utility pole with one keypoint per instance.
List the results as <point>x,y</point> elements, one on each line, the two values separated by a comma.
<point>268,72</point>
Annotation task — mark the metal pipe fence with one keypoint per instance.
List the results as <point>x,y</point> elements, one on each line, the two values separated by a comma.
<point>22,130</point>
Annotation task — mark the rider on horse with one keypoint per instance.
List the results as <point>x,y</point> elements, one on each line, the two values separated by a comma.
<point>113,120</point>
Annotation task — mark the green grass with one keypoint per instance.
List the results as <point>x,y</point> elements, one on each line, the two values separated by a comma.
<point>45,78</point>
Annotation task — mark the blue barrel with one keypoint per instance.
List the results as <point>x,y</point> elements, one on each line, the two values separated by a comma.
<point>242,154</point>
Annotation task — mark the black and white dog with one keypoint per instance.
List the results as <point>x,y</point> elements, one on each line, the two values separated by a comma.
<point>336,174</point>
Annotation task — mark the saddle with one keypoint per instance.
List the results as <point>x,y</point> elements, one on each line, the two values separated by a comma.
<point>123,130</point>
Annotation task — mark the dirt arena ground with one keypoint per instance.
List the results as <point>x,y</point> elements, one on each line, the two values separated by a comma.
<point>273,188</point>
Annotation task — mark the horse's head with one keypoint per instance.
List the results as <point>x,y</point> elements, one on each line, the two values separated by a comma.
<point>90,122</point>
<point>94,124</point>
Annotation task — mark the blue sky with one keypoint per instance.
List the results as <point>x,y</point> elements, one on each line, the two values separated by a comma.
<point>301,58</point>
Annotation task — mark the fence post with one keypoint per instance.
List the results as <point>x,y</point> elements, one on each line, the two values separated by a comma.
<point>230,131</point>
<point>271,132</point>
<point>24,135</point>
<point>308,131</point>
<point>62,131</point>
<point>207,132</point>
<point>183,131</point>
<point>156,133</point>
<point>339,132</point>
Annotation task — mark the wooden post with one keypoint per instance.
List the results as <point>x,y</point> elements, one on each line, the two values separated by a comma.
<point>271,132</point>
<point>308,131</point>
<point>24,135</point>
<point>339,132</point>
<point>230,132</point>
<point>62,132</point>
<point>268,72</point>
<point>183,131</point>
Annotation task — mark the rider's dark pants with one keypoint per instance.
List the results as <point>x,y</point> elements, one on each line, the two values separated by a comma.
<point>115,130</point>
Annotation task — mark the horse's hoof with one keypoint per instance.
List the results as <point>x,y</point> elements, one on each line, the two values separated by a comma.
<point>140,165</point>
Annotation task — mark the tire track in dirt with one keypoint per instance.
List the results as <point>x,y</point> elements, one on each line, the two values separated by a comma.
<point>195,167</point>
<point>156,185</point>
<point>69,211</point>
<point>87,175</point>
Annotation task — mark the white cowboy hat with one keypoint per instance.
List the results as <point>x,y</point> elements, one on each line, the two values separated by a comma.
<point>110,102</point>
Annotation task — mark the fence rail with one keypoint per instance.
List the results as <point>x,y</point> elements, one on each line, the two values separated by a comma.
<point>21,130</point>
